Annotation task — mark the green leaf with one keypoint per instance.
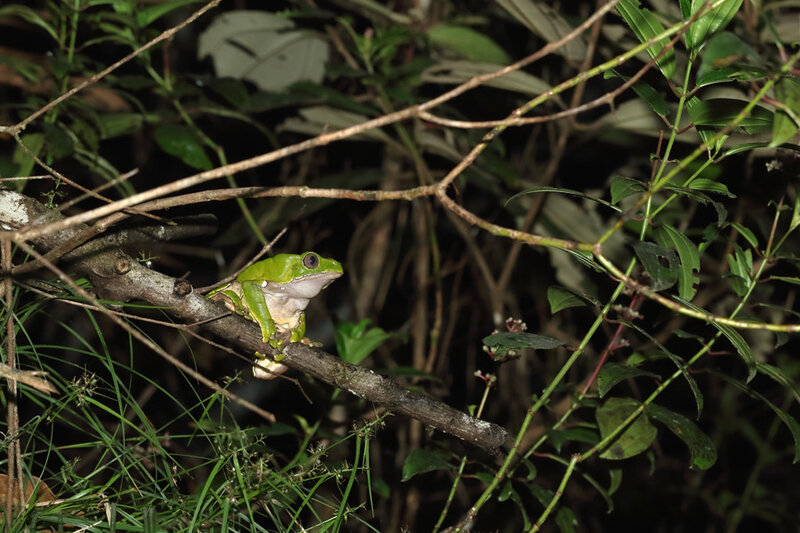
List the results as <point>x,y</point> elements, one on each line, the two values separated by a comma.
<point>30,16</point>
<point>787,419</point>
<point>147,15</point>
<point>795,213</point>
<point>707,185</point>
<point>263,48</point>
<point>653,258</point>
<point>562,190</point>
<point>547,23</point>
<point>655,99</point>
<point>468,43</point>
<point>457,72</point>
<point>355,342</point>
<point>565,520</point>
<point>781,377</point>
<point>794,281</point>
<point>559,436</point>
<point>690,259</point>
<point>613,373</point>
<point>515,497</point>
<point>180,141</point>
<point>57,141</point>
<point>727,57</point>
<point>701,30</point>
<point>742,348</point>
<point>504,344</point>
<point>678,362</point>
<point>118,124</point>
<point>646,26</point>
<point>635,439</point>
<point>747,233</point>
<point>420,461</point>
<point>787,91</point>
<point>562,298</point>
<point>622,187</point>
<point>34,142</point>
<point>719,112</point>
<point>701,447</point>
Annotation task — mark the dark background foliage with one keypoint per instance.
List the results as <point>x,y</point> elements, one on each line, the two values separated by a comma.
<point>157,446</point>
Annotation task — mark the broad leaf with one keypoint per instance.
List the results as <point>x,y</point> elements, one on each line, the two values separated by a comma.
<point>622,187</point>
<point>547,23</point>
<point>355,342</point>
<point>263,48</point>
<point>784,127</point>
<point>420,461</point>
<point>613,373</point>
<point>180,141</point>
<point>507,344</point>
<point>719,112</point>
<point>562,298</point>
<point>468,43</point>
<point>662,265</point>
<point>635,439</point>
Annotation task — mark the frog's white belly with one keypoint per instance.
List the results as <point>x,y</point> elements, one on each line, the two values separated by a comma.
<point>285,310</point>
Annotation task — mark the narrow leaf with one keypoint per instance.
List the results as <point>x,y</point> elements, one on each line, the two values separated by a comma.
<point>742,348</point>
<point>781,377</point>
<point>690,260</point>
<point>709,24</point>
<point>701,447</point>
<point>646,26</point>
<point>719,112</point>
<point>747,233</point>
<point>791,423</point>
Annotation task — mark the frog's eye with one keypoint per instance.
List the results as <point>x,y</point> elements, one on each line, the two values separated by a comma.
<point>311,261</point>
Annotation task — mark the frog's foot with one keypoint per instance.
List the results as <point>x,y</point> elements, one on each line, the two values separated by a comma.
<point>309,342</point>
<point>266,368</point>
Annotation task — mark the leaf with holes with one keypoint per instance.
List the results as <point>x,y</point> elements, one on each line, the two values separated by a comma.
<point>662,265</point>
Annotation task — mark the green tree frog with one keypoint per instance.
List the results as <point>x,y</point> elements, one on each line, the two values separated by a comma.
<point>274,293</point>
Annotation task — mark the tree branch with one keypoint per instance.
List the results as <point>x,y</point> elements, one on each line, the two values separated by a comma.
<point>117,276</point>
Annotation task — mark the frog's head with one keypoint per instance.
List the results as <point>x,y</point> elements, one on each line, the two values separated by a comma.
<point>300,275</point>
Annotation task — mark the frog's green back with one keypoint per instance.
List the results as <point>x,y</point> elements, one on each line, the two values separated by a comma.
<point>283,268</point>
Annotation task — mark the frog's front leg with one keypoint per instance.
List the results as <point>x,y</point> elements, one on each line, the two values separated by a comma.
<point>256,303</point>
<point>300,331</point>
